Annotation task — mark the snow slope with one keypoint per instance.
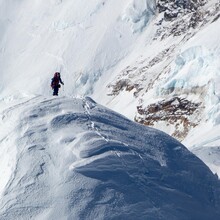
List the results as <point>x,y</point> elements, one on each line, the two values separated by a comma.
<point>67,158</point>
<point>125,54</point>
<point>130,55</point>
<point>82,39</point>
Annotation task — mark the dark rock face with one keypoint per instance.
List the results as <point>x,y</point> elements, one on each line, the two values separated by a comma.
<point>184,14</point>
<point>169,6</point>
<point>121,85</point>
<point>183,17</point>
<point>176,112</point>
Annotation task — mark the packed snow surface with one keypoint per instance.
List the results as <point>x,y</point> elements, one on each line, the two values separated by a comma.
<point>92,42</point>
<point>68,158</point>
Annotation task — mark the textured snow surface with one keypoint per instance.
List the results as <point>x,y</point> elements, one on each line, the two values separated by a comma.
<point>67,158</point>
<point>71,158</point>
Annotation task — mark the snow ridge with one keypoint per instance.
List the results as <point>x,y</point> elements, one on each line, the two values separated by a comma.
<point>78,160</point>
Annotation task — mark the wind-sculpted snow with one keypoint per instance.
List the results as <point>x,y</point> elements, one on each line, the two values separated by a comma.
<point>74,159</point>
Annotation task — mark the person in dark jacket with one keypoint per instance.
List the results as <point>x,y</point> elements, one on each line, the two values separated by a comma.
<point>55,83</point>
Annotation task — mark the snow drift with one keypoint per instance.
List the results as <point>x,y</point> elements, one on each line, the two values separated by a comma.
<point>74,159</point>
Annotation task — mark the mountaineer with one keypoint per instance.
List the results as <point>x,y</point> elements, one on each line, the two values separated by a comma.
<point>55,83</point>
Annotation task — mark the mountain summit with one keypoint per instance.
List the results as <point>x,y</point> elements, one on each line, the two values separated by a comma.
<point>66,158</point>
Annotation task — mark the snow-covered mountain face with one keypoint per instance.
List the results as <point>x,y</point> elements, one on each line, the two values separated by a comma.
<point>176,81</point>
<point>66,158</point>
<point>156,62</point>
<point>82,39</point>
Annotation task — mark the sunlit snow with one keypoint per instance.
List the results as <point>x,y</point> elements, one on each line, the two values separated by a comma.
<point>67,158</point>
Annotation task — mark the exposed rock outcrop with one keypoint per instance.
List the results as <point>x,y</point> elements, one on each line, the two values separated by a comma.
<point>180,113</point>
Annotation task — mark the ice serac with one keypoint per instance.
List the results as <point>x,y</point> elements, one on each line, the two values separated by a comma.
<point>173,83</point>
<point>74,159</point>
